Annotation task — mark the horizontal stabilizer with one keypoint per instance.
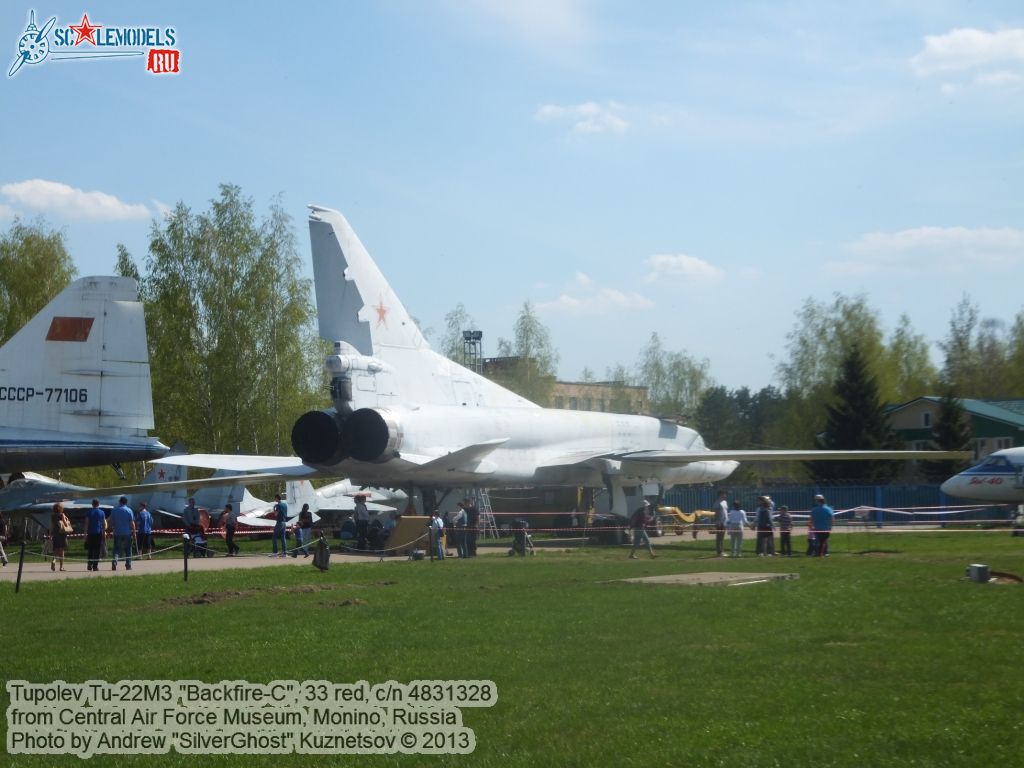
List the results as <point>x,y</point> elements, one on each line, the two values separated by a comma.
<point>465,460</point>
<point>257,520</point>
<point>288,466</point>
<point>209,482</point>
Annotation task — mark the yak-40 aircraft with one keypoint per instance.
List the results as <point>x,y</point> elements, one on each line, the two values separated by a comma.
<point>998,479</point>
<point>74,382</point>
<point>404,416</point>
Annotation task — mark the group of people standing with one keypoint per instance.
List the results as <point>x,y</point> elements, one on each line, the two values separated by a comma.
<point>459,528</point>
<point>129,531</point>
<point>733,519</point>
<point>303,528</point>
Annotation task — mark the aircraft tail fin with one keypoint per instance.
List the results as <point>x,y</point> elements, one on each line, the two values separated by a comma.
<point>215,497</point>
<point>299,492</point>
<point>393,361</point>
<point>172,500</point>
<point>81,365</point>
<point>367,313</point>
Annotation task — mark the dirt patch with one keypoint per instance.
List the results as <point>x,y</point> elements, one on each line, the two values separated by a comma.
<point>207,598</point>
<point>712,578</point>
<point>352,601</point>
<point>879,552</point>
<point>1001,577</point>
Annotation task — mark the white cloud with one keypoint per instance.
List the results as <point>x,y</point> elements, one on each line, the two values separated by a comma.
<point>589,117</point>
<point>680,265</point>
<point>583,281</point>
<point>965,49</point>
<point>998,79</point>
<point>584,297</point>
<point>61,199</point>
<point>548,23</point>
<point>6,212</point>
<point>933,249</point>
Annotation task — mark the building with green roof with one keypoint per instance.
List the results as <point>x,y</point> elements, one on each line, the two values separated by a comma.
<point>995,424</point>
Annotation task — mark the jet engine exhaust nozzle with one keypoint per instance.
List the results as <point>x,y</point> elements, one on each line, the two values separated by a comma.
<point>316,438</point>
<point>371,434</point>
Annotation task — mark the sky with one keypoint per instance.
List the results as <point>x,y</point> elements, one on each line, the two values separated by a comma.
<point>699,170</point>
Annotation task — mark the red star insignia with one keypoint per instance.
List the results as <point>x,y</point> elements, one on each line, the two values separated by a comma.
<point>382,314</point>
<point>160,475</point>
<point>86,32</point>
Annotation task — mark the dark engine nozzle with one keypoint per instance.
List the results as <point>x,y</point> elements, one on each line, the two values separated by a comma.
<point>371,435</point>
<point>316,437</point>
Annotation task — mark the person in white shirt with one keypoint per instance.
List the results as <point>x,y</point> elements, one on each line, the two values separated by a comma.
<point>737,521</point>
<point>721,520</point>
<point>437,533</point>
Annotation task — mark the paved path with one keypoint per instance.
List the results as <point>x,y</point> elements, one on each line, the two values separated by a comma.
<point>37,570</point>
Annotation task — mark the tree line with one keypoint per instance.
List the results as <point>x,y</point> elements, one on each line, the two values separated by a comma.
<point>236,358</point>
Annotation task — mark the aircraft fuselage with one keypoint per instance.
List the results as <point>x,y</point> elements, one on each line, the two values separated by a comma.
<point>999,478</point>
<point>510,446</point>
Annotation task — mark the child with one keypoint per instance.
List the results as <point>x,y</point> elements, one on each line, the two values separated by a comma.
<point>785,531</point>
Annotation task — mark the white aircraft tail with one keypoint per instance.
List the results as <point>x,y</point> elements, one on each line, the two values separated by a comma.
<point>173,500</point>
<point>81,365</point>
<point>389,359</point>
<point>299,492</point>
<point>213,498</point>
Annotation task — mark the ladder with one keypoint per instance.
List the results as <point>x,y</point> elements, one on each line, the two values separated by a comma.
<point>488,526</point>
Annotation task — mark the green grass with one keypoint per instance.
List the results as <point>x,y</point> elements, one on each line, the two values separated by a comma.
<point>878,655</point>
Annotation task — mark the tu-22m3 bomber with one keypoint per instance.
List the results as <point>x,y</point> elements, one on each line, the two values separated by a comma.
<point>405,416</point>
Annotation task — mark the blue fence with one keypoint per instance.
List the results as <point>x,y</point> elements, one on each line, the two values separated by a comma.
<point>927,502</point>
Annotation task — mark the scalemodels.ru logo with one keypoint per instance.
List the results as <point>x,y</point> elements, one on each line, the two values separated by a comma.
<point>89,40</point>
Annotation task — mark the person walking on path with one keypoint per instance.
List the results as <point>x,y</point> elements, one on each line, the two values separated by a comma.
<point>303,531</point>
<point>280,526</point>
<point>230,519</point>
<point>122,520</point>
<point>95,530</point>
<point>60,527</point>
<point>638,522</point>
<point>144,531</point>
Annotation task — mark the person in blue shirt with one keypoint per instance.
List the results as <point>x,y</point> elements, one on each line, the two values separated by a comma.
<point>144,531</point>
<point>122,520</point>
<point>95,528</point>
<point>280,526</point>
<point>821,521</point>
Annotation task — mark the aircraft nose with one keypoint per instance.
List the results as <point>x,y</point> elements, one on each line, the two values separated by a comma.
<point>951,486</point>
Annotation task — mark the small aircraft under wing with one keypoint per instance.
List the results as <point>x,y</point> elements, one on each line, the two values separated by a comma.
<point>999,478</point>
<point>404,416</point>
<point>36,494</point>
<point>74,382</point>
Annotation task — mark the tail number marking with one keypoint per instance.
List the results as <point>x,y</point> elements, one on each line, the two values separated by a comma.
<point>52,394</point>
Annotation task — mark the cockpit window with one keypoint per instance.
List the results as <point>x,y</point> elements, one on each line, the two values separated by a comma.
<point>996,461</point>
